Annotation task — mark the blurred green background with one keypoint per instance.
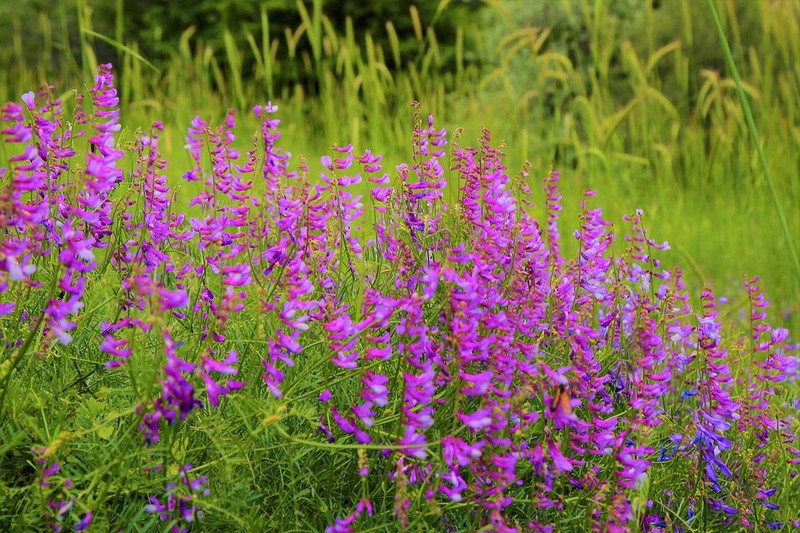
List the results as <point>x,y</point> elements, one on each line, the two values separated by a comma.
<point>631,98</point>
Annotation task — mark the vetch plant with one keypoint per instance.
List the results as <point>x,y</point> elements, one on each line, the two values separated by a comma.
<point>61,506</point>
<point>409,346</point>
<point>177,508</point>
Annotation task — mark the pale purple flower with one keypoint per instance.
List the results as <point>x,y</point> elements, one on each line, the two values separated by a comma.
<point>28,99</point>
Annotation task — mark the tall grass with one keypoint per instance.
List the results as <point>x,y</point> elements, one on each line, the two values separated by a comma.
<point>672,140</point>
<point>257,347</point>
<point>751,126</point>
<point>277,356</point>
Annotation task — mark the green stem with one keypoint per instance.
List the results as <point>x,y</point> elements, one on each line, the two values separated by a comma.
<point>339,446</point>
<point>18,358</point>
<point>25,346</point>
<point>751,126</point>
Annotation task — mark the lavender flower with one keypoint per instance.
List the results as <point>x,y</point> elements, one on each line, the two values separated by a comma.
<point>180,506</point>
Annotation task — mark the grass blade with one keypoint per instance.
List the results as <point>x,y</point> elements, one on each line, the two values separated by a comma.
<point>751,126</point>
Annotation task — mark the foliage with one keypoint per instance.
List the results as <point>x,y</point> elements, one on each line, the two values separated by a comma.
<point>271,356</point>
<point>291,29</point>
<point>102,380</point>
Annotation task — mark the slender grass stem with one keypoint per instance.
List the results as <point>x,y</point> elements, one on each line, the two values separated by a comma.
<point>751,126</point>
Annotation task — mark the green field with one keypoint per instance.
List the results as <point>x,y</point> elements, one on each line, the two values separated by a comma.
<point>654,106</point>
<point>644,123</point>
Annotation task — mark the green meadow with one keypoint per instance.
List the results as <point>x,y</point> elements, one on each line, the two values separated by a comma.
<point>649,119</point>
<point>391,344</point>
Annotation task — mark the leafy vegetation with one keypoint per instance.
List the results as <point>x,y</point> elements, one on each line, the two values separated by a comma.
<point>393,327</point>
<point>648,116</point>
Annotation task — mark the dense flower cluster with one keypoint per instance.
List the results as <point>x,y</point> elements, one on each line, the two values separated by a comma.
<point>178,508</point>
<point>479,370</point>
<point>56,511</point>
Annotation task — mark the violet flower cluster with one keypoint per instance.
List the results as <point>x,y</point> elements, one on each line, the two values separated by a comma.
<point>59,504</point>
<point>179,507</point>
<point>433,309</point>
